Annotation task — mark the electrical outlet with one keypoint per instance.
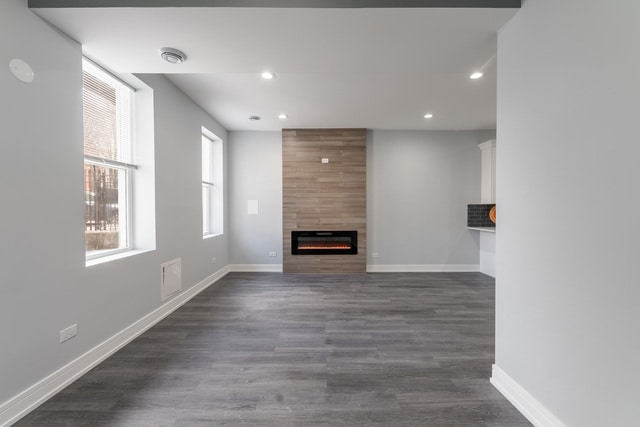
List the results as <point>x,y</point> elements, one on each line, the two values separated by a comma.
<point>272,253</point>
<point>68,333</point>
<point>375,255</point>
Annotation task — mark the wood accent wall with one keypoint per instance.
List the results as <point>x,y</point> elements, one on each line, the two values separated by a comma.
<point>317,196</point>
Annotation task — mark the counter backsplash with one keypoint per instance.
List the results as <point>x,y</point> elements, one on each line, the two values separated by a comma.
<point>478,215</point>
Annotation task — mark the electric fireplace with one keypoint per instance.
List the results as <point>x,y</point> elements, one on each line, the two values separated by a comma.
<point>324,242</point>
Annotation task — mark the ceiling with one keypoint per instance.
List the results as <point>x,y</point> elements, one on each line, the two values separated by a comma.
<point>377,68</point>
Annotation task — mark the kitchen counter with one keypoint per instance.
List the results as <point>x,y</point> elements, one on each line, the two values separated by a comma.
<point>485,229</point>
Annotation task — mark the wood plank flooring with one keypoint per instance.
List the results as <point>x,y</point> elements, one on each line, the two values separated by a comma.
<point>270,349</point>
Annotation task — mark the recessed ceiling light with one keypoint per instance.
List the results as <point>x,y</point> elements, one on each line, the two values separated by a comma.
<point>476,75</point>
<point>254,118</point>
<point>173,56</point>
<point>267,75</point>
<point>428,116</point>
<point>282,116</point>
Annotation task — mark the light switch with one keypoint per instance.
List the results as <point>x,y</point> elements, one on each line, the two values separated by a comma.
<point>325,160</point>
<point>252,207</point>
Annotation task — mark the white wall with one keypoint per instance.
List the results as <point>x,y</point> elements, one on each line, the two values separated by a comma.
<point>567,188</point>
<point>255,164</point>
<point>45,284</point>
<point>487,253</point>
<point>418,186</point>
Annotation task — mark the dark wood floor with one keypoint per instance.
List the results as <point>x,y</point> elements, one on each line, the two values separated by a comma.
<point>268,349</point>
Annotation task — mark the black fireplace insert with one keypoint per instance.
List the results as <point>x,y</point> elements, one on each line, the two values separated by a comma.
<point>324,242</point>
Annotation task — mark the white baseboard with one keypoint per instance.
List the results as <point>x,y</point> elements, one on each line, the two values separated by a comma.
<point>489,273</point>
<point>421,268</point>
<point>266,268</point>
<point>528,405</point>
<point>393,268</point>
<point>23,403</point>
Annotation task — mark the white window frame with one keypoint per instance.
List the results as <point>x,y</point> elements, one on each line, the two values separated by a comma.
<point>126,169</point>
<point>212,185</point>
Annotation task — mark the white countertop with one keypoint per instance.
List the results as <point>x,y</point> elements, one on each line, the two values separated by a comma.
<point>485,229</point>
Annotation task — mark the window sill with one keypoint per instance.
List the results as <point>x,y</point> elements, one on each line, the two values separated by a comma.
<point>114,257</point>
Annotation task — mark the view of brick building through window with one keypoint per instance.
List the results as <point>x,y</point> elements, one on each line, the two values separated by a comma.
<point>102,182</point>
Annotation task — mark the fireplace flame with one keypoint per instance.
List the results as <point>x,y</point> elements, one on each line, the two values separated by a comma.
<point>324,245</point>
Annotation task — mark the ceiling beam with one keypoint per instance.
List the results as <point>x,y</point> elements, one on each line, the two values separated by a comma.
<point>279,3</point>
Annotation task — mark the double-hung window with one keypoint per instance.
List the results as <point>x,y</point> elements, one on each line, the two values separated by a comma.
<point>108,161</point>
<point>212,198</point>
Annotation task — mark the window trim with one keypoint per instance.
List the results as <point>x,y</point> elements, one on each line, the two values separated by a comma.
<point>99,161</point>
<point>109,73</point>
<point>214,184</point>
<point>207,223</point>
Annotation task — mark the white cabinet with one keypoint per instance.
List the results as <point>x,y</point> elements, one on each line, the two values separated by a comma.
<point>488,178</point>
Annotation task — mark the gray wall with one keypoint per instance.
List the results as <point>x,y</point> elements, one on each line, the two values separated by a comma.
<point>255,164</point>
<point>419,184</point>
<point>567,186</point>
<point>45,284</point>
<point>418,187</point>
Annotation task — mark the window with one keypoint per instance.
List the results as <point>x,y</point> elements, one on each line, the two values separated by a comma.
<point>108,161</point>
<point>212,189</point>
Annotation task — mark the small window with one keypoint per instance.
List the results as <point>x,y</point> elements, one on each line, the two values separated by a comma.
<point>212,188</point>
<point>108,161</point>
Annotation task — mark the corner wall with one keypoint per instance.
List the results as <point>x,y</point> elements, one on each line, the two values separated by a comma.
<point>567,342</point>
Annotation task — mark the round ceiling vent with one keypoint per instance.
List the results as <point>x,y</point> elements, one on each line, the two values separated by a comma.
<point>173,56</point>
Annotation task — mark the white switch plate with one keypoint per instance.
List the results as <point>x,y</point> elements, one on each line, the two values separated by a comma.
<point>325,160</point>
<point>252,207</point>
<point>273,253</point>
<point>375,255</point>
<point>68,333</point>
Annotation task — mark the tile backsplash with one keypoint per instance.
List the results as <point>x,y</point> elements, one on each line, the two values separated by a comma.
<point>478,215</point>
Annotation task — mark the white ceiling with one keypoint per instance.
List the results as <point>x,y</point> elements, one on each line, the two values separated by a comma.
<point>366,68</point>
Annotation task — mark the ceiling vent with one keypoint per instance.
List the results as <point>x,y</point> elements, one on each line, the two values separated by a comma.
<point>173,56</point>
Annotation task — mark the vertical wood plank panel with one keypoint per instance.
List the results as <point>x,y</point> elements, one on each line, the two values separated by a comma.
<point>319,196</point>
